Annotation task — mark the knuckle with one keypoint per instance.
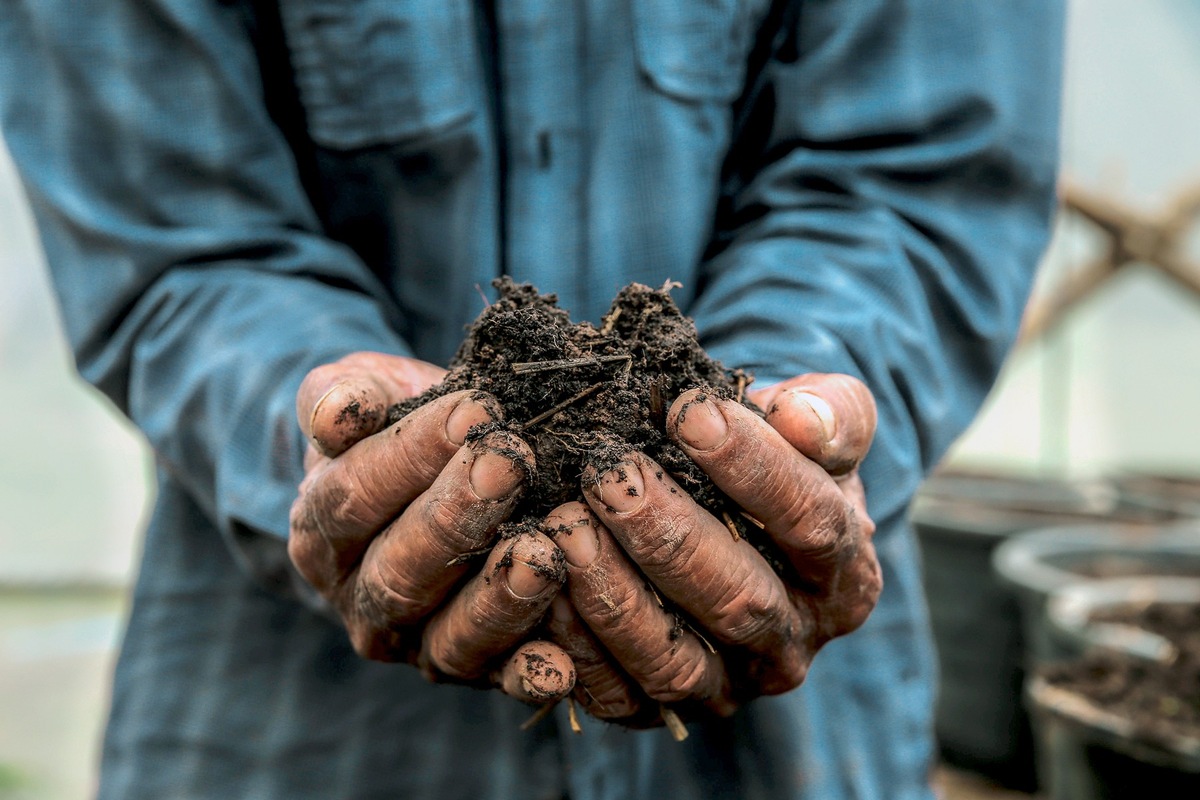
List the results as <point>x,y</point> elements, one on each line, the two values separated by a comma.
<point>447,520</point>
<point>683,679</point>
<point>443,657</point>
<point>610,604</point>
<point>668,545</point>
<point>754,617</point>
<point>383,596</point>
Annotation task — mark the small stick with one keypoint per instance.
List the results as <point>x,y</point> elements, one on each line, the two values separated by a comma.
<point>741,385</point>
<point>538,716</point>
<point>550,412</point>
<point>610,320</point>
<point>707,644</point>
<point>486,303</point>
<point>754,521</point>
<point>566,363</point>
<point>737,536</point>
<point>661,604</point>
<point>572,716</point>
<point>463,558</point>
<point>674,723</point>
<point>669,284</point>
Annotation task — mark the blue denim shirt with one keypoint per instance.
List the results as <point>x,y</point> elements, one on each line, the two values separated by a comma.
<point>230,193</point>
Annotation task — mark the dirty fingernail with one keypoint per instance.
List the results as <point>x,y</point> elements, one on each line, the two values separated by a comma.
<point>702,425</point>
<point>823,411</point>
<point>579,543</point>
<point>527,581</point>
<point>621,488</point>
<point>494,476</point>
<point>465,415</point>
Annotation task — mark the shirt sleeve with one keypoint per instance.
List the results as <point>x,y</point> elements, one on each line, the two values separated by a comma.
<point>886,205</point>
<point>195,284</point>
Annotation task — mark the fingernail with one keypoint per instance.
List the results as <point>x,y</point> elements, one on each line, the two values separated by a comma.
<point>621,488</point>
<point>823,411</point>
<point>526,581</point>
<point>579,543</point>
<point>466,414</point>
<point>494,476</point>
<point>702,425</point>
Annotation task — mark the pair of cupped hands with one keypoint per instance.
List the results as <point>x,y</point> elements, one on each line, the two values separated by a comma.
<point>392,524</point>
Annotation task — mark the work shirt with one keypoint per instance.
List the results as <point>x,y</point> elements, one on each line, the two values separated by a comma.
<point>232,193</point>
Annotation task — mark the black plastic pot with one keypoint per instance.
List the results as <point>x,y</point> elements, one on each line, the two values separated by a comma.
<point>960,519</point>
<point>1091,754</point>
<point>1087,751</point>
<point>1177,494</point>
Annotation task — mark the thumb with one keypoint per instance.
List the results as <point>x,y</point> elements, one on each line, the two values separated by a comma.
<point>341,403</point>
<point>829,418</point>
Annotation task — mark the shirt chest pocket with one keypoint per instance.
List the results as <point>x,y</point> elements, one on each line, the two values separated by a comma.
<point>372,72</point>
<point>694,49</point>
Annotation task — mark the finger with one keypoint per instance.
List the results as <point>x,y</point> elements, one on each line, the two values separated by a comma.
<point>600,686</point>
<point>345,501</point>
<point>538,672</point>
<point>649,642</point>
<point>830,418</point>
<point>686,553</point>
<point>496,610</point>
<point>341,403</point>
<point>409,568</point>
<point>797,502</point>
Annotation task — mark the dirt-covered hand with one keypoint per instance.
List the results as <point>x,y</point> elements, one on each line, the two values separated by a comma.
<point>742,630</point>
<point>388,521</point>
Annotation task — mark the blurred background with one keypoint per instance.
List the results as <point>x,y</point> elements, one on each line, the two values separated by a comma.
<point>1104,384</point>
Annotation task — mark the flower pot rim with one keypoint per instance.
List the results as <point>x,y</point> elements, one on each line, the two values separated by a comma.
<point>1021,561</point>
<point>1070,610</point>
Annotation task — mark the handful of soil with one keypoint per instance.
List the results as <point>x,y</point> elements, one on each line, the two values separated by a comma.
<point>581,395</point>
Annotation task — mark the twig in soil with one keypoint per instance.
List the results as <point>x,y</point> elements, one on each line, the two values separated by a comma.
<point>657,599</point>
<point>707,644</point>
<point>669,284</point>
<point>463,558</point>
<point>523,367</point>
<point>550,412</point>
<point>674,723</point>
<point>486,303</point>
<point>729,523</point>
<point>754,521</point>
<point>741,385</point>
<point>610,320</point>
<point>538,716</point>
<point>572,716</point>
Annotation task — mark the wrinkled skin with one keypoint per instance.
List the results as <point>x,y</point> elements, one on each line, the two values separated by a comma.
<point>387,518</point>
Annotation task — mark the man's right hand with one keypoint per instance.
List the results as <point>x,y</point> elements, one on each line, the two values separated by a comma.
<point>389,520</point>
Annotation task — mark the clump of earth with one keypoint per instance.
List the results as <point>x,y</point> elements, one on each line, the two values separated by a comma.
<point>584,395</point>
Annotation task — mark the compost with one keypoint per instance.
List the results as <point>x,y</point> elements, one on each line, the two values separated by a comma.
<point>581,394</point>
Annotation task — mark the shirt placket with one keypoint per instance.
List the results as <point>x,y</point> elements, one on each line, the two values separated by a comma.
<point>542,64</point>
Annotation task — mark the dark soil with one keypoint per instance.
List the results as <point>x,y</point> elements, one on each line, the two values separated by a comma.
<point>581,395</point>
<point>1162,700</point>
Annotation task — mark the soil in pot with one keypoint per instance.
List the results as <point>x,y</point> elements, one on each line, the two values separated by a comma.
<point>1162,700</point>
